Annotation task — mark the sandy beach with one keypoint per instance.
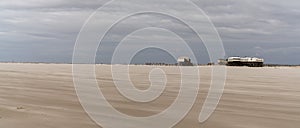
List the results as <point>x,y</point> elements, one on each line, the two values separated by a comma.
<point>43,96</point>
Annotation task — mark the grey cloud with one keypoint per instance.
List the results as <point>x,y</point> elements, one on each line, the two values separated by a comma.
<point>266,28</point>
<point>52,5</point>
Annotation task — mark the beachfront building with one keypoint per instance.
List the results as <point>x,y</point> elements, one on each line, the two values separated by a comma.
<point>184,61</point>
<point>242,61</point>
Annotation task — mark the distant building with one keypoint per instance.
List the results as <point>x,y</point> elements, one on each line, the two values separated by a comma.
<point>222,61</point>
<point>184,61</point>
<point>242,61</point>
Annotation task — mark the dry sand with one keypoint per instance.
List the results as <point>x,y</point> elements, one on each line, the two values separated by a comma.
<point>43,96</point>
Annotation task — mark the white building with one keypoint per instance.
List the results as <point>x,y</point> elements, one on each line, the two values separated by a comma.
<point>243,61</point>
<point>184,61</point>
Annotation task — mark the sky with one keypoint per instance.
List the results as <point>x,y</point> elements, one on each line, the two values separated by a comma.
<point>46,30</point>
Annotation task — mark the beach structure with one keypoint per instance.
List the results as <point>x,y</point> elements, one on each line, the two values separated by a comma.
<point>242,61</point>
<point>184,61</point>
<point>222,61</point>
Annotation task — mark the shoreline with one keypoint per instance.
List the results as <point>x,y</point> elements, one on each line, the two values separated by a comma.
<point>201,65</point>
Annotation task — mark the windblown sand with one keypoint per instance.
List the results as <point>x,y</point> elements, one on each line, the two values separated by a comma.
<point>43,96</point>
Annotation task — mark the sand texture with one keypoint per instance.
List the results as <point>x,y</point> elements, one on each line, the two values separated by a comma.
<point>43,96</point>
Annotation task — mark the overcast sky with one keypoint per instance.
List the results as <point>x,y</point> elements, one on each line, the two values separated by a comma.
<point>46,30</point>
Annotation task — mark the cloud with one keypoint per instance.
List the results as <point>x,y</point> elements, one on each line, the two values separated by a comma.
<point>50,4</point>
<point>35,30</point>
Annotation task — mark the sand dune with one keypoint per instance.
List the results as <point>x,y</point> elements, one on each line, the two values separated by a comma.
<point>43,96</point>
